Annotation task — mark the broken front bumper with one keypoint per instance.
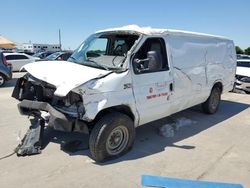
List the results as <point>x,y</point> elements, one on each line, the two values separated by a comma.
<point>57,119</point>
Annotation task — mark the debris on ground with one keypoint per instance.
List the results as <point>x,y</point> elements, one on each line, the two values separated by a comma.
<point>168,130</point>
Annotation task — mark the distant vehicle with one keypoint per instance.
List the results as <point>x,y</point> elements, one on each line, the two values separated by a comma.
<point>64,56</point>
<point>5,70</point>
<point>243,56</point>
<point>19,59</point>
<point>42,55</point>
<point>243,75</point>
<point>28,53</point>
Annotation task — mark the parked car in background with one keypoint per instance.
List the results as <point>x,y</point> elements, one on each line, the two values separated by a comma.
<point>243,75</point>
<point>19,59</point>
<point>5,70</point>
<point>243,56</point>
<point>42,55</point>
<point>64,56</point>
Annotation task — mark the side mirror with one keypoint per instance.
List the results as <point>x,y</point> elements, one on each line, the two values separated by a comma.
<point>153,61</point>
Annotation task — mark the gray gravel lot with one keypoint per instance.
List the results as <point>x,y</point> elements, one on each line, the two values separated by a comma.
<point>216,148</point>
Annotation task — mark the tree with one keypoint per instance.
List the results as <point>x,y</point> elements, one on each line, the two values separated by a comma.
<point>247,51</point>
<point>238,50</point>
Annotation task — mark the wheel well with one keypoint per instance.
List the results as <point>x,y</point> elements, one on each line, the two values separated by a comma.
<point>4,76</point>
<point>219,85</point>
<point>121,108</point>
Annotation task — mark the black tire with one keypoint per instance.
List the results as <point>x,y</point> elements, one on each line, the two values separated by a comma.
<point>211,105</point>
<point>234,90</point>
<point>2,79</point>
<point>113,129</point>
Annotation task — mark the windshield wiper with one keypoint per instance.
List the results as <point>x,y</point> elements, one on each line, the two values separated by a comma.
<point>99,65</point>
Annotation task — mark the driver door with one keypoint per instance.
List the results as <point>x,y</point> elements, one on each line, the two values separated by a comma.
<point>152,88</point>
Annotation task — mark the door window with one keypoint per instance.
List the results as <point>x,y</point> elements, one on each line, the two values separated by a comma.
<point>141,58</point>
<point>19,57</point>
<point>16,57</point>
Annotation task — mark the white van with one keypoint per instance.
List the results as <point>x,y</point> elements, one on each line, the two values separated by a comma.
<point>120,78</point>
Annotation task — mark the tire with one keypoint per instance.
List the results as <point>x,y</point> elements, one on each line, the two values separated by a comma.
<point>2,80</point>
<point>211,105</point>
<point>112,136</point>
<point>234,90</point>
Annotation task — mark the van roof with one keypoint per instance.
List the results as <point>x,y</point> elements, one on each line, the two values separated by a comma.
<point>156,31</point>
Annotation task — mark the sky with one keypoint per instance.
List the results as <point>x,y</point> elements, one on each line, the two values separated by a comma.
<point>38,21</point>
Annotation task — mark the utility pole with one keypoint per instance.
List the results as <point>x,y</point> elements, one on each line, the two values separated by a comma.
<point>60,43</point>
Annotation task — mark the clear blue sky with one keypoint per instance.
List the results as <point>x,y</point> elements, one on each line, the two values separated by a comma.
<point>38,21</point>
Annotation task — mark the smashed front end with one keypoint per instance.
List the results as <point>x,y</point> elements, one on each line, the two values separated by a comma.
<point>38,99</point>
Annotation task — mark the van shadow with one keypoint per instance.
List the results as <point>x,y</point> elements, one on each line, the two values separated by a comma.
<point>148,141</point>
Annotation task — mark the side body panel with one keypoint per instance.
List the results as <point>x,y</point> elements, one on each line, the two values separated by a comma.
<point>196,63</point>
<point>110,91</point>
<point>18,64</point>
<point>152,91</point>
<point>199,62</point>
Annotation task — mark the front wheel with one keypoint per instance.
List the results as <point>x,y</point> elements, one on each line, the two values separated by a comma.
<point>211,105</point>
<point>112,136</point>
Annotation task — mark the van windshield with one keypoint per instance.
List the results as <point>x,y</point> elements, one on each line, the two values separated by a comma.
<point>105,51</point>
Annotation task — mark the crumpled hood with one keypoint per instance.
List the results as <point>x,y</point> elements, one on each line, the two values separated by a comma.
<point>62,74</point>
<point>243,71</point>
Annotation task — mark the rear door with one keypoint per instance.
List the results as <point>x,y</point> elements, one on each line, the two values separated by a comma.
<point>152,89</point>
<point>17,61</point>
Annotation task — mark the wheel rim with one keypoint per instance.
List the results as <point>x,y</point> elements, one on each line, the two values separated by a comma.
<point>215,98</point>
<point>1,80</point>
<point>117,140</point>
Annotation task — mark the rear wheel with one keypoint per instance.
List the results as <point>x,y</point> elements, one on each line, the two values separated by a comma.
<point>112,136</point>
<point>2,80</point>
<point>210,106</point>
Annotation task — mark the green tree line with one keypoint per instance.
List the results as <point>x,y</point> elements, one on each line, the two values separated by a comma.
<point>241,51</point>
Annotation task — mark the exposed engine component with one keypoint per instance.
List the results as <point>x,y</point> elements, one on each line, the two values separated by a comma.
<point>30,88</point>
<point>32,142</point>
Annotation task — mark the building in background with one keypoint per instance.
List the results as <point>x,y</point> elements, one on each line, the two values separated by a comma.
<point>35,47</point>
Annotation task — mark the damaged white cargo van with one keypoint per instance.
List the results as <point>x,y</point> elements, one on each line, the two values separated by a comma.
<point>120,78</point>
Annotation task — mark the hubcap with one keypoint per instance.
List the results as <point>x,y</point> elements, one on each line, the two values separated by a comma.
<point>117,140</point>
<point>1,80</point>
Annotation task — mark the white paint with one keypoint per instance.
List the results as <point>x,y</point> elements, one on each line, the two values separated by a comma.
<point>168,130</point>
<point>243,71</point>
<point>62,74</point>
<point>154,31</point>
<point>183,122</point>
